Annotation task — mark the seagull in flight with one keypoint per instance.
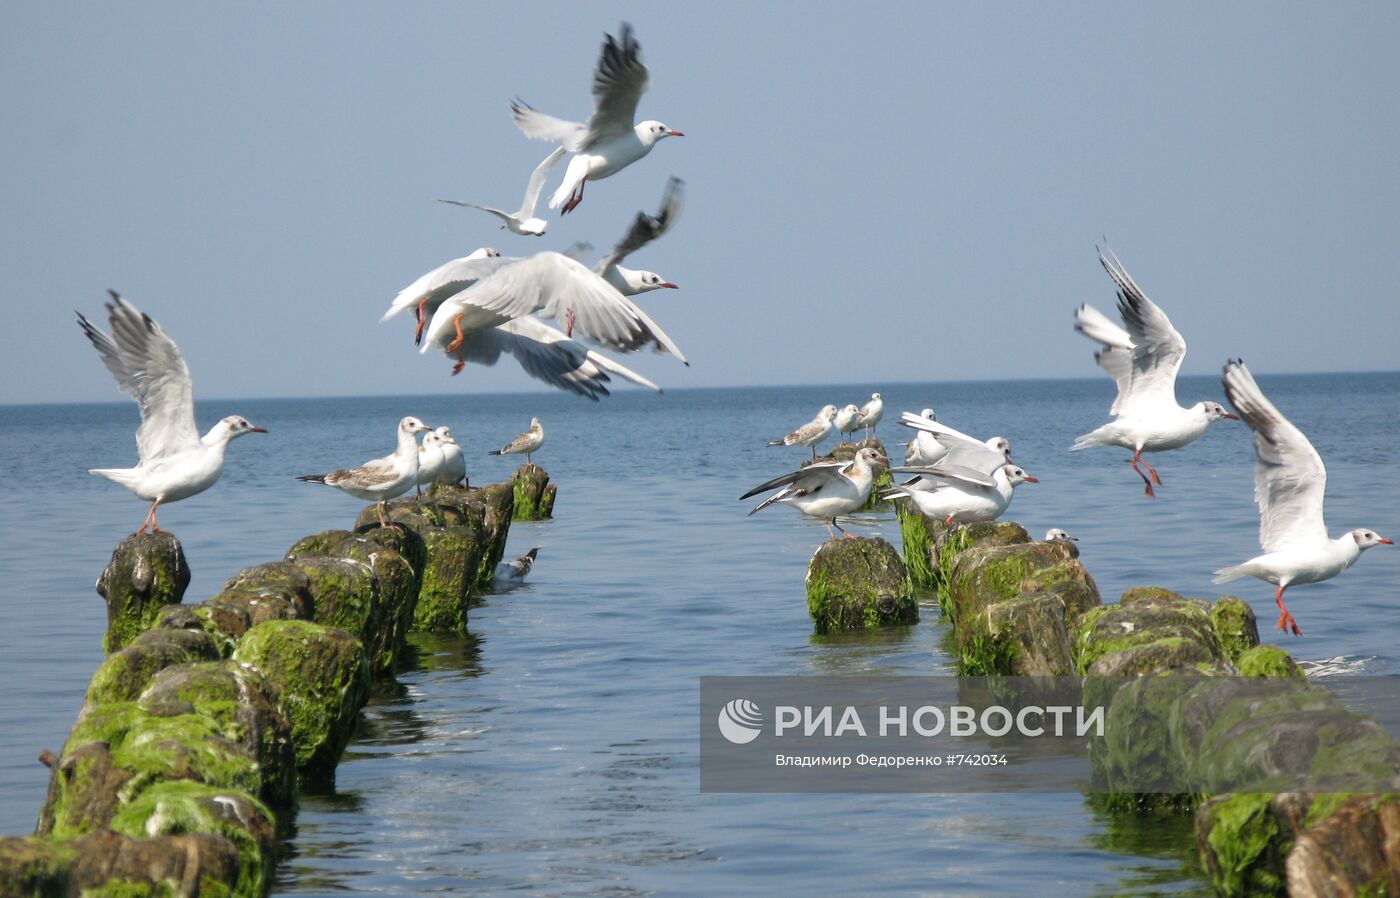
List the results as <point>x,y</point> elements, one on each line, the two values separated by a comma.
<point>1289,483</point>
<point>645,228</point>
<point>450,278</point>
<point>523,220</point>
<point>1144,360</point>
<point>176,462</point>
<point>609,142</point>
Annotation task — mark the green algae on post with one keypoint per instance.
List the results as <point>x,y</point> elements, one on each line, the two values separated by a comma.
<point>859,582</point>
<point>147,572</point>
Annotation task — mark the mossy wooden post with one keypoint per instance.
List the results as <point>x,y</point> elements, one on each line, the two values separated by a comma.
<point>146,573</point>
<point>449,578</point>
<point>499,499</point>
<point>534,494</point>
<point>855,583</point>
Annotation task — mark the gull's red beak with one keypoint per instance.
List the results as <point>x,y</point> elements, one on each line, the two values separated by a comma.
<point>669,285</point>
<point>1388,542</point>
<point>1030,479</point>
<point>675,133</point>
<point>257,430</point>
<point>1230,416</point>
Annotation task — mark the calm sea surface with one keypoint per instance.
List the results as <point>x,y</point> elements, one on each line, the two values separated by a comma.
<point>553,751</point>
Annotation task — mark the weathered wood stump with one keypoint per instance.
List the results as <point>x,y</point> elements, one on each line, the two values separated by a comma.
<point>534,494</point>
<point>859,582</point>
<point>147,572</point>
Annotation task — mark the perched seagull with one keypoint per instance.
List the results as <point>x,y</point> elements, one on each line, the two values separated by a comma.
<point>528,442</point>
<point>1144,360</point>
<point>380,479</point>
<point>555,286</point>
<point>609,142</point>
<point>645,228</point>
<point>871,413</point>
<point>546,353</point>
<point>454,464</point>
<point>428,292</point>
<point>960,495</point>
<point>940,444</point>
<point>176,462</point>
<point>431,459</point>
<point>924,449</point>
<point>517,569</point>
<point>811,433</point>
<point>1056,535</point>
<point>523,221</point>
<point>1289,483</point>
<point>824,490</point>
<point>848,420</point>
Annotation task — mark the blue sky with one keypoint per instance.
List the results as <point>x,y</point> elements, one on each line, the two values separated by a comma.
<point>898,192</point>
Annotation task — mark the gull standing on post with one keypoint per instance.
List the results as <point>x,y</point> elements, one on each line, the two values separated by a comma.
<point>937,443</point>
<point>959,495</point>
<point>1289,484</point>
<point>528,442</point>
<point>428,292</point>
<point>871,413</point>
<point>454,463</point>
<point>811,433</point>
<point>824,490</point>
<point>176,462</point>
<point>645,228</point>
<point>523,221</point>
<point>847,420</point>
<point>610,141</point>
<point>431,459</point>
<point>1144,360</point>
<point>380,479</point>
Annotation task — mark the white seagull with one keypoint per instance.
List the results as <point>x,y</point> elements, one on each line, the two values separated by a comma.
<point>176,462</point>
<point>384,478</point>
<point>811,433</point>
<point>428,292</point>
<point>645,228</point>
<point>937,443</point>
<point>609,142</point>
<point>454,464</point>
<point>1056,535</point>
<point>554,286</point>
<point>1289,483</point>
<point>546,353</point>
<point>523,220</point>
<point>871,413</point>
<point>824,490</point>
<point>431,459</point>
<point>847,420</point>
<point>958,495</point>
<point>528,442</point>
<point>517,569</point>
<point>1144,360</point>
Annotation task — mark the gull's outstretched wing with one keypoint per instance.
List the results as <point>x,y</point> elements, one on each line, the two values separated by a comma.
<point>147,366</point>
<point>1116,357</point>
<point>1158,349</point>
<point>537,178</point>
<point>646,228</point>
<point>1289,477</point>
<point>446,280</point>
<point>618,84</point>
<point>538,126</point>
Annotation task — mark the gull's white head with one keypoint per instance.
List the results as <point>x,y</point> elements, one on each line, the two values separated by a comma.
<point>874,395</point>
<point>534,423</point>
<point>927,414</point>
<point>871,456</point>
<point>828,412</point>
<point>638,281</point>
<point>446,435</point>
<point>412,425</point>
<point>850,409</point>
<point>1214,411</point>
<point>1015,476</point>
<point>237,425</point>
<point>1055,534</point>
<point>1002,445</point>
<point>1365,539</point>
<point>487,252</point>
<point>432,440</point>
<point>650,131</point>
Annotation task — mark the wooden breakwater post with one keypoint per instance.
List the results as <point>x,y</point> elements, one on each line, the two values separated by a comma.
<point>1181,679</point>
<point>858,583</point>
<point>534,494</point>
<point>193,739</point>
